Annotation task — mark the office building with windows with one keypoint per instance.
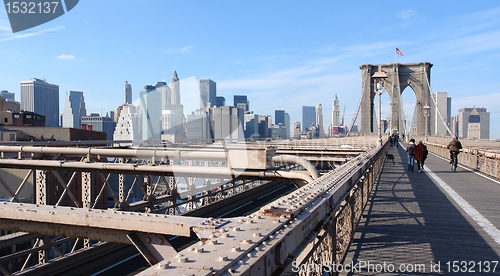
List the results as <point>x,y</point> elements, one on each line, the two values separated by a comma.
<point>74,109</point>
<point>308,117</point>
<point>208,93</point>
<point>127,93</point>
<point>41,97</point>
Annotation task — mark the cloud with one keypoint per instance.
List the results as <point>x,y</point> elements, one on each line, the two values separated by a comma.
<point>406,14</point>
<point>5,27</point>
<point>51,30</point>
<point>185,50</point>
<point>66,57</point>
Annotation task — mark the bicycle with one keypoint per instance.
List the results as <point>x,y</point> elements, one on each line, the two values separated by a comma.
<point>454,160</point>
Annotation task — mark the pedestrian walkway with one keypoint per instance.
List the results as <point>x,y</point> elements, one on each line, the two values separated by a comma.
<point>413,224</point>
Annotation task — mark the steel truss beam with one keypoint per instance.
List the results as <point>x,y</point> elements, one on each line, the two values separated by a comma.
<point>257,244</point>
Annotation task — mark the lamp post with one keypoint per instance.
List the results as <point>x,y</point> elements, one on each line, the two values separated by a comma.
<point>379,78</point>
<point>427,110</point>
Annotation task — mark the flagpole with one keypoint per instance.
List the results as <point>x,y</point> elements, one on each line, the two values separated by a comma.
<point>395,56</point>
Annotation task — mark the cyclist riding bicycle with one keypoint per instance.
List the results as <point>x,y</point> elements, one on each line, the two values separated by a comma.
<point>454,147</point>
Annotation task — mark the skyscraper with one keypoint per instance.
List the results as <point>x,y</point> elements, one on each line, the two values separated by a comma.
<point>208,93</point>
<point>43,98</point>
<point>127,93</point>
<point>282,117</point>
<point>279,117</point>
<point>127,125</point>
<point>99,123</point>
<point>444,106</point>
<point>265,123</point>
<point>251,126</point>
<point>173,112</point>
<point>8,96</point>
<point>74,109</point>
<point>197,125</point>
<point>319,120</point>
<point>308,117</point>
<point>176,90</point>
<point>474,128</point>
<point>336,112</point>
<point>151,112</point>
<point>241,101</point>
<point>227,122</point>
<point>463,122</point>
<point>221,101</point>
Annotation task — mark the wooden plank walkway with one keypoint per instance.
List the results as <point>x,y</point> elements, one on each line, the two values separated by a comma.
<point>413,224</point>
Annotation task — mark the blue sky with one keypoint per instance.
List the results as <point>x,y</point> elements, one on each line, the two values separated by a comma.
<point>282,54</point>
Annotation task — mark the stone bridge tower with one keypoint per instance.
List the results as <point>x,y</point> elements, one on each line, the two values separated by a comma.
<point>412,75</point>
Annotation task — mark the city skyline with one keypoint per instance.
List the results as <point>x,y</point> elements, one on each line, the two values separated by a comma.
<point>95,52</point>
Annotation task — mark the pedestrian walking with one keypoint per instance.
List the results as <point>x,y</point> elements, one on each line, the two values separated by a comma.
<point>410,150</point>
<point>420,155</point>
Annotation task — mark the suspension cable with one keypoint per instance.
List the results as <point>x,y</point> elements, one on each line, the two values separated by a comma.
<point>435,103</point>
<point>359,104</point>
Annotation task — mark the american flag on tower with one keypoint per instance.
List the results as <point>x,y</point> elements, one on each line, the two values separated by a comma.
<point>399,52</point>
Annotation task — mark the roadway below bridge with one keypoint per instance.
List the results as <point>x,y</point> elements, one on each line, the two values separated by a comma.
<point>424,222</point>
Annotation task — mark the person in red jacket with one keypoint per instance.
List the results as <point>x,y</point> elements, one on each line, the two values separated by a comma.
<point>420,155</point>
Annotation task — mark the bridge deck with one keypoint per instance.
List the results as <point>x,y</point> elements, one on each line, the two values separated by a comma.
<point>412,219</point>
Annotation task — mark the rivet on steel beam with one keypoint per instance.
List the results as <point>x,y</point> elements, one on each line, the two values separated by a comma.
<point>199,250</point>
<point>250,221</point>
<point>212,236</point>
<point>256,234</point>
<point>225,235</point>
<point>222,230</point>
<point>276,221</point>
<point>160,241</point>
<point>164,265</point>
<point>241,220</point>
<point>232,270</point>
<point>223,259</point>
<point>213,242</point>
<point>235,249</point>
<point>236,229</point>
<point>147,239</point>
<point>183,259</point>
<point>201,243</point>
<point>247,241</point>
<point>208,268</point>
<point>249,255</point>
